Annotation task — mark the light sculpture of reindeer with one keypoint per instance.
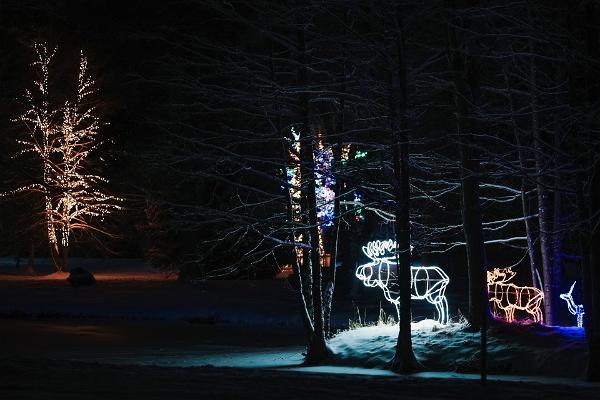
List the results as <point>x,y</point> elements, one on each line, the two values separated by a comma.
<point>575,309</point>
<point>509,297</point>
<point>427,283</point>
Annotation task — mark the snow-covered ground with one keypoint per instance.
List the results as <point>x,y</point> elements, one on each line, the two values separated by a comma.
<point>130,289</point>
<point>121,269</point>
<point>136,316</point>
<point>57,379</point>
<point>512,349</point>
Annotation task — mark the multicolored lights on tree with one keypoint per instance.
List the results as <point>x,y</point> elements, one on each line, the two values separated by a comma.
<point>575,309</point>
<point>324,185</point>
<point>509,297</point>
<point>324,182</point>
<point>427,282</point>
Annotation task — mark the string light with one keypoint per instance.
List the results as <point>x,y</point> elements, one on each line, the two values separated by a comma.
<point>360,154</point>
<point>575,309</point>
<point>345,153</point>
<point>358,212</point>
<point>509,297</point>
<point>427,283</point>
<point>294,175</point>
<point>63,139</point>
<point>324,182</point>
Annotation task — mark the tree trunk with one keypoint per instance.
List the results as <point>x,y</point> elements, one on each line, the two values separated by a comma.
<point>591,267</point>
<point>529,229</point>
<point>65,259</point>
<point>466,86</point>
<point>543,198</point>
<point>335,229</point>
<point>296,267</point>
<point>471,210</point>
<point>593,314</point>
<point>317,348</point>
<point>404,358</point>
<point>55,256</point>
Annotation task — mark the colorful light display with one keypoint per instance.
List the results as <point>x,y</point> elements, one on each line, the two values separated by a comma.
<point>324,182</point>
<point>575,309</point>
<point>427,283</point>
<point>294,175</point>
<point>509,297</point>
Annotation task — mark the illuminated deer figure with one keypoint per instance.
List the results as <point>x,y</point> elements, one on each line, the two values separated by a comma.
<point>427,283</point>
<point>509,297</point>
<point>575,309</point>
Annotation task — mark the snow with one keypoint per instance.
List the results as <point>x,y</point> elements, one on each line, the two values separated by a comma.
<point>512,349</point>
<point>123,269</point>
<point>42,379</point>
<point>130,289</point>
<point>206,356</point>
<point>139,316</point>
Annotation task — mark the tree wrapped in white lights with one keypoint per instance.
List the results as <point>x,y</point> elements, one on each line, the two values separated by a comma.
<point>63,136</point>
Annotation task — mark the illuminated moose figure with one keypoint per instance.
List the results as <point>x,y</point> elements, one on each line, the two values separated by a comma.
<point>427,283</point>
<point>509,297</point>
<point>575,309</point>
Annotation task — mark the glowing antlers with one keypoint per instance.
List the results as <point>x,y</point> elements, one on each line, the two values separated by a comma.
<point>378,248</point>
<point>500,275</point>
<point>368,251</point>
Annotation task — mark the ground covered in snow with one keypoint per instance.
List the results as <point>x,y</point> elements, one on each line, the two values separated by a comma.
<point>139,333</point>
<point>130,289</point>
<point>49,379</point>
<point>512,349</point>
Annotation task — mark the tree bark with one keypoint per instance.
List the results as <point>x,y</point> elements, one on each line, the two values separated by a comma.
<point>525,206</point>
<point>466,86</point>
<point>593,331</point>
<point>465,71</point>
<point>296,267</point>
<point>544,211</point>
<point>317,348</point>
<point>335,229</point>
<point>591,270</point>
<point>65,259</point>
<point>404,358</point>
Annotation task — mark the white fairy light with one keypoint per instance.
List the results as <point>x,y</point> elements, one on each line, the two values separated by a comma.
<point>427,282</point>
<point>575,309</point>
<point>63,139</point>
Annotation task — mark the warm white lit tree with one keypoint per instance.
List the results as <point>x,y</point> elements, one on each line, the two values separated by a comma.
<point>80,199</point>
<point>63,135</point>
